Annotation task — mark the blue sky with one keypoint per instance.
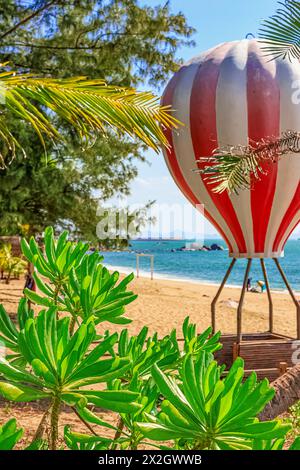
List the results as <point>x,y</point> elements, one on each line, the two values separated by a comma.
<point>216,21</point>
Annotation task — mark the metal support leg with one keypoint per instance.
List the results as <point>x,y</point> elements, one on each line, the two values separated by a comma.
<point>296,302</point>
<point>240,307</point>
<point>264,270</point>
<point>215,300</point>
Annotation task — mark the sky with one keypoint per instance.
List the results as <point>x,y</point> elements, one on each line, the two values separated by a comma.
<point>215,21</point>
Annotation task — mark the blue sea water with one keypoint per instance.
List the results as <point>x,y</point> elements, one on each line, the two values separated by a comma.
<point>207,267</point>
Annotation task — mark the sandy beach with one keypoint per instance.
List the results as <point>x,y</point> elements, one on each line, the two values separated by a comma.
<point>162,305</point>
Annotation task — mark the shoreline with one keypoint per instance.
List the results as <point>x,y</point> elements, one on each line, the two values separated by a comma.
<point>168,277</point>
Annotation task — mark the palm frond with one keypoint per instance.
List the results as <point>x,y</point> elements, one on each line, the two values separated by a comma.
<point>230,168</point>
<point>88,105</point>
<point>280,34</point>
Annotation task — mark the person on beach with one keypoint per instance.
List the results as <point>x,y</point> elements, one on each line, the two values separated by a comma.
<point>262,285</point>
<point>249,284</point>
<point>259,288</point>
<point>29,282</point>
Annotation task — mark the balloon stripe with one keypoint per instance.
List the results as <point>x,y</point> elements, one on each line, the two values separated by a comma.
<point>183,147</point>
<point>232,127</point>
<point>288,166</point>
<point>204,133</point>
<point>172,163</point>
<point>263,123</point>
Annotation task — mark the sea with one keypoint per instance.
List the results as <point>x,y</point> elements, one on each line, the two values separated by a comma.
<point>200,266</point>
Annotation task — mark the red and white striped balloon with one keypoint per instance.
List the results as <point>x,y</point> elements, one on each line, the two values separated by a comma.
<point>231,95</point>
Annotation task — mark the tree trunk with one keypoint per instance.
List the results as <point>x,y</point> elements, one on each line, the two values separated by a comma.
<point>54,423</point>
<point>8,277</point>
<point>118,434</point>
<point>287,393</point>
<point>39,433</point>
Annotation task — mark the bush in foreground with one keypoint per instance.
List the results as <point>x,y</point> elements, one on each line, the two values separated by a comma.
<point>160,389</point>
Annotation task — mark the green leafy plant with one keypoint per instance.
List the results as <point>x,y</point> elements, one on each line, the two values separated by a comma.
<point>276,444</point>
<point>205,411</point>
<point>10,264</point>
<point>280,33</point>
<point>161,389</point>
<point>61,366</point>
<point>89,106</point>
<point>94,291</point>
<point>9,332</point>
<point>129,435</point>
<point>78,283</point>
<point>80,441</point>
<point>196,342</point>
<point>144,351</point>
<point>294,419</point>
<point>60,257</point>
<point>10,435</point>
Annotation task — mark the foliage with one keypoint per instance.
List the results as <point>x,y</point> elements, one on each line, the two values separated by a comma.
<point>10,264</point>
<point>79,441</point>
<point>87,105</point>
<point>231,170</point>
<point>60,363</point>
<point>160,389</point>
<point>208,412</point>
<point>79,284</point>
<point>61,191</point>
<point>276,444</point>
<point>280,33</point>
<point>60,195</point>
<point>120,40</point>
<point>48,360</point>
<point>61,366</point>
<point>9,332</point>
<point>145,351</point>
<point>60,257</point>
<point>9,435</point>
<point>195,343</point>
<point>294,419</point>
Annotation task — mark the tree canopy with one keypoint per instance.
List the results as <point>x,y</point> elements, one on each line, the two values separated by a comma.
<point>123,42</point>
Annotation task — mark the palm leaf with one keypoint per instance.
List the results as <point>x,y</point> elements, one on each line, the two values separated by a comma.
<point>89,106</point>
<point>280,34</point>
<point>230,168</point>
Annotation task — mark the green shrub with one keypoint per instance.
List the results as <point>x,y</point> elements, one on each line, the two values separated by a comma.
<point>9,332</point>
<point>60,365</point>
<point>77,281</point>
<point>205,411</point>
<point>160,389</point>
<point>9,435</point>
<point>9,264</point>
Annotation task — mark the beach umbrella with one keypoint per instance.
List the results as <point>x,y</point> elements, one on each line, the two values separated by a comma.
<point>234,95</point>
<point>231,95</point>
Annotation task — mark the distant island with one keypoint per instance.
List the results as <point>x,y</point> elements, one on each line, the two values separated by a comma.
<point>159,239</point>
